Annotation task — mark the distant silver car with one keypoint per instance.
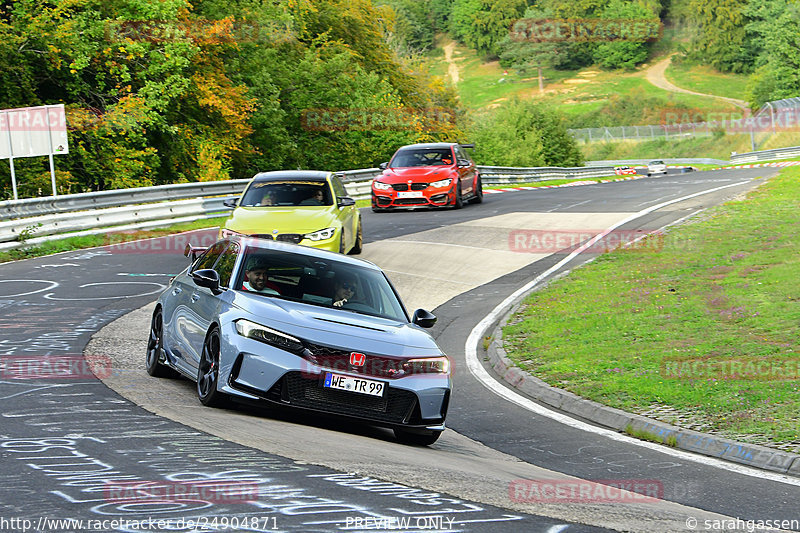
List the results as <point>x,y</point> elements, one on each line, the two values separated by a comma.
<point>656,167</point>
<point>253,319</point>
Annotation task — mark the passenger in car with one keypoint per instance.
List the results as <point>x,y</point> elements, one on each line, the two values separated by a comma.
<point>316,198</point>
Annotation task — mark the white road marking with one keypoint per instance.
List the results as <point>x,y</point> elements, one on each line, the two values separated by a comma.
<point>480,373</point>
<point>52,285</point>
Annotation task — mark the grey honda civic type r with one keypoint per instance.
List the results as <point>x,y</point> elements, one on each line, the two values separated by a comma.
<point>251,319</point>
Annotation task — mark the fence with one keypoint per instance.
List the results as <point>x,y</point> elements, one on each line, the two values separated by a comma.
<point>642,133</point>
<point>35,220</point>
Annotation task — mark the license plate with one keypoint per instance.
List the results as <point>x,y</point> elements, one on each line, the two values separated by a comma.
<point>410,194</point>
<point>353,384</point>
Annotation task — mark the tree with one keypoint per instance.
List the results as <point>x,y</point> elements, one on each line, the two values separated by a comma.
<point>623,53</point>
<point>483,24</point>
<point>524,133</point>
<point>776,30</point>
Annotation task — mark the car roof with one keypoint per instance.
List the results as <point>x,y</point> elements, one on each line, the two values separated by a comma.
<point>426,146</point>
<point>283,175</point>
<point>269,244</point>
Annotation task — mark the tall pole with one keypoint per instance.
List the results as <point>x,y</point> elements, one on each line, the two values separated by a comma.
<point>11,158</point>
<point>50,143</point>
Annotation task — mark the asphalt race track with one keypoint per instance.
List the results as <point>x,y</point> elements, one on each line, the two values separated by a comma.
<point>68,445</point>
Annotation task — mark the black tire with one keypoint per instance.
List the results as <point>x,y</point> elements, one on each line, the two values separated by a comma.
<point>358,246</point>
<point>478,198</point>
<point>459,201</point>
<point>154,362</point>
<point>405,436</point>
<point>208,372</point>
<point>341,242</point>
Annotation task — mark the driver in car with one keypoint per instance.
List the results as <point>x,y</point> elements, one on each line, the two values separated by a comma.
<point>257,272</point>
<point>344,290</point>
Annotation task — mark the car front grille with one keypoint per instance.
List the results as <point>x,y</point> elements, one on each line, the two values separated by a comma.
<point>411,201</point>
<point>338,360</point>
<point>413,187</point>
<point>294,238</point>
<point>395,407</point>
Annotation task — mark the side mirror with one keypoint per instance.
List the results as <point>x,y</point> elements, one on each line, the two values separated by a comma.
<point>383,166</point>
<point>193,251</point>
<point>208,278</point>
<point>463,163</point>
<point>230,202</point>
<point>423,318</point>
<point>345,201</point>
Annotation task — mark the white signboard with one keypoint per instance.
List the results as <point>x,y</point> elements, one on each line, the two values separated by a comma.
<point>33,131</point>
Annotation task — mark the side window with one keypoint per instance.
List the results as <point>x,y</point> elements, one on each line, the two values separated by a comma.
<point>210,256</point>
<point>460,155</point>
<point>338,187</point>
<point>225,264</point>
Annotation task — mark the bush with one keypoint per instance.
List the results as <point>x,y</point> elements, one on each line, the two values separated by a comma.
<point>524,133</point>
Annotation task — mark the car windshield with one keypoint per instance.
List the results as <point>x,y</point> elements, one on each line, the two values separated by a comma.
<point>321,282</point>
<point>656,162</point>
<point>288,193</point>
<point>422,158</point>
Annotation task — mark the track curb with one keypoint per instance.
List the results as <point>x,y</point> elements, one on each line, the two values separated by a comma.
<point>752,455</point>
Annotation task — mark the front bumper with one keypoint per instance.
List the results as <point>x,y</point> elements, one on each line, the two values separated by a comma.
<point>391,199</point>
<point>278,377</point>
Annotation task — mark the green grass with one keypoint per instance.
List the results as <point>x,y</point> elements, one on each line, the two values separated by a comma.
<point>717,147</point>
<point>705,79</point>
<point>91,241</point>
<point>722,287</point>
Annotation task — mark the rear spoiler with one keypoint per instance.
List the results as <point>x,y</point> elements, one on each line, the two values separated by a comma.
<point>193,251</point>
<point>467,145</point>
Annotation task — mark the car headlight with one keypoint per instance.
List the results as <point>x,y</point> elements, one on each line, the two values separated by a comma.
<point>270,336</point>
<point>442,183</point>
<point>427,365</point>
<point>320,235</point>
<point>381,186</point>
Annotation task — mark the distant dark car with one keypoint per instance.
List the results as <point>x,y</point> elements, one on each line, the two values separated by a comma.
<point>254,319</point>
<point>427,175</point>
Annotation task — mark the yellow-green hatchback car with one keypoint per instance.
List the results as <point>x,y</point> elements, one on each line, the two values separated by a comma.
<point>306,207</point>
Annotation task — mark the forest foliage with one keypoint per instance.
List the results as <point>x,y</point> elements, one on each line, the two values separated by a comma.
<point>164,91</point>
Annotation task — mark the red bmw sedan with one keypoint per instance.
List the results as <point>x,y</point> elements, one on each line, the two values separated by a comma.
<point>427,175</point>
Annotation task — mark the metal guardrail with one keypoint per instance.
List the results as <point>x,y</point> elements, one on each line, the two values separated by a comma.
<point>37,219</point>
<point>766,155</point>
<point>30,207</point>
<point>668,160</point>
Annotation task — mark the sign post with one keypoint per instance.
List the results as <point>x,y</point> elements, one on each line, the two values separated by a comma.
<point>33,132</point>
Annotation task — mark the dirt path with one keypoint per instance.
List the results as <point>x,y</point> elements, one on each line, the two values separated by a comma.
<point>452,70</point>
<point>655,75</point>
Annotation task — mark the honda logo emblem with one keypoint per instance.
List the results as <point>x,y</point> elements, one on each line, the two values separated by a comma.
<point>357,359</point>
